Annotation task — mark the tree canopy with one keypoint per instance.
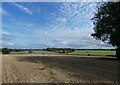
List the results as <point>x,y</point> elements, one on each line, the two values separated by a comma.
<point>107,24</point>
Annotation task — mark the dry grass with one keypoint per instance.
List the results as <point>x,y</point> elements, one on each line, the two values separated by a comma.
<point>35,68</point>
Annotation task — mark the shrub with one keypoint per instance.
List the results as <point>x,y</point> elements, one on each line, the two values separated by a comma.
<point>62,51</point>
<point>6,51</point>
<point>30,51</point>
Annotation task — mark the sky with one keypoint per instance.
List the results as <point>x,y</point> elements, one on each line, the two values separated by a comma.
<point>49,24</point>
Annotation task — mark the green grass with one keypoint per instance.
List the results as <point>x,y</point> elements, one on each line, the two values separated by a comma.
<point>35,52</point>
<point>21,52</point>
<point>76,52</point>
<point>94,52</point>
<point>45,52</point>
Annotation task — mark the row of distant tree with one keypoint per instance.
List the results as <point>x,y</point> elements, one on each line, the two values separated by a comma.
<point>59,50</point>
<point>8,50</point>
<point>5,51</point>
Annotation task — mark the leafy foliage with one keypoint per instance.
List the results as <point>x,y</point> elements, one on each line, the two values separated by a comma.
<point>61,50</point>
<point>107,23</point>
<point>6,51</point>
<point>30,51</point>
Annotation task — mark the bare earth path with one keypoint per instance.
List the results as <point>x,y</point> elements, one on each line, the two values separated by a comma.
<point>36,68</point>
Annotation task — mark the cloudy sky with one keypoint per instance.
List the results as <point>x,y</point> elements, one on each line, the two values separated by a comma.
<point>48,24</point>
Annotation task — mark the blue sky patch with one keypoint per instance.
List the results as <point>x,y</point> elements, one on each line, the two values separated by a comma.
<point>48,24</point>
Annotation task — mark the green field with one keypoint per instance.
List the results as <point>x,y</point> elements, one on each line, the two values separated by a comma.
<point>21,52</point>
<point>35,52</point>
<point>76,52</point>
<point>94,52</point>
<point>45,52</point>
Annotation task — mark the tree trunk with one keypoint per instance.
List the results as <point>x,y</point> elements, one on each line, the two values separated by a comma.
<point>118,53</point>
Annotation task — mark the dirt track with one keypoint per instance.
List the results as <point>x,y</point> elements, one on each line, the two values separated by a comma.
<point>58,69</point>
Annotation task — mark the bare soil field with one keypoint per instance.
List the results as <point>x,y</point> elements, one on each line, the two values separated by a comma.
<point>34,68</point>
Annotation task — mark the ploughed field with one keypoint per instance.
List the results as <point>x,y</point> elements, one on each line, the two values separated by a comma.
<point>46,68</point>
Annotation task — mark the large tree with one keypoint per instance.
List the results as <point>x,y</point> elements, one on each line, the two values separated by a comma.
<point>107,24</point>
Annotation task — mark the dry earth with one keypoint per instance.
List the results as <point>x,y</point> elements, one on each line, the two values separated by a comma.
<point>0,68</point>
<point>36,68</point>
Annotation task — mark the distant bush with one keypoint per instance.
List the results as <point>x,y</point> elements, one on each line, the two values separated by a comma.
<point>6,51</point>
<point>60,50</point>
<point>30,51</point>
<point>16,50</point>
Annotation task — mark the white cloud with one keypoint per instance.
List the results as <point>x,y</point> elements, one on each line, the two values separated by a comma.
<point>65,43</point>
<point>77,13</point>
<point>2,11</point>
<point>23,8</point>
<point>7,43</point>
<point>6,38</point>
<point>61,20</point>
<point>57,40</point>
<point>60,36</point>
<point>102,43</point>
<point>5,33</point>
<point>78,37</point>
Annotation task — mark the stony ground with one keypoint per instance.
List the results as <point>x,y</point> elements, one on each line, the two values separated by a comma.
<point>36,68</point>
